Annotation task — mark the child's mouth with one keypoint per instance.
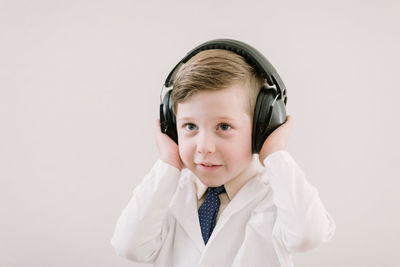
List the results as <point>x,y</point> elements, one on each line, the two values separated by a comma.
<point>209,167</point>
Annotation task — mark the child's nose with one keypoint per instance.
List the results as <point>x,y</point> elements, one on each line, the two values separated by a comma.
<point>205,144</point>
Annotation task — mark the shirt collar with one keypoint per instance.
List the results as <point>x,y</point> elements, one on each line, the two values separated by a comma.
<point>232,187</point>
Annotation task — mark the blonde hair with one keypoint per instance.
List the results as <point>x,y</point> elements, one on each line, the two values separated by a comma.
<point>213,70</point>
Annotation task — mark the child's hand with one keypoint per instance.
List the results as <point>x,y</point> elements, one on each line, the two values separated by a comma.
<point>277,140</point>
<point>169,151</point>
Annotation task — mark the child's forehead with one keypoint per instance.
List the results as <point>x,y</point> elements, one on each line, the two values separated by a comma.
<point>226,105</point>
<point>232,102</point>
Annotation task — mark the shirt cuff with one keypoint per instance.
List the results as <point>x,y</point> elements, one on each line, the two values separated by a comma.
<point>280,153</point>
<point>162,177</point>
<point>159,163</point>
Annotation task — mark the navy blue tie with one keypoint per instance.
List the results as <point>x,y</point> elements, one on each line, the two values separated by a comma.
<point>208,211</point>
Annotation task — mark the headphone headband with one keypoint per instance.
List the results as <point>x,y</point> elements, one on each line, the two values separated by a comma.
<point>250,54</point>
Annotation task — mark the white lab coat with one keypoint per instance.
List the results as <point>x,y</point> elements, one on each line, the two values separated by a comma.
<point>273,215</point>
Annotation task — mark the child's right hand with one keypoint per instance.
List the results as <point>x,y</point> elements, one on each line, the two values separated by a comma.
<point>169,151</point>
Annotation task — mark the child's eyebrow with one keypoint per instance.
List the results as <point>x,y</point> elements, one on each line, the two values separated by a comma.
<point>226,118</point>
<point>218,118</point>
<point>185,119</point>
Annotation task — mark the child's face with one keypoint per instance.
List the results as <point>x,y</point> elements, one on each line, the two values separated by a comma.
<point>214,128</point>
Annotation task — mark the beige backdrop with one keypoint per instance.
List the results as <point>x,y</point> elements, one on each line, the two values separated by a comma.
<point>79,94</point>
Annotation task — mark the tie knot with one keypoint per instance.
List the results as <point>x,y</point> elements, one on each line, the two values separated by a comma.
<point>216,190</point>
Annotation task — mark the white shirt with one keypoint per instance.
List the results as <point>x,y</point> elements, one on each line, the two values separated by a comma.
<point>273,215</point>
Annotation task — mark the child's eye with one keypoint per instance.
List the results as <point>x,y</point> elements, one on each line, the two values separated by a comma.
<point>190,126</point>
<point>224,127</point>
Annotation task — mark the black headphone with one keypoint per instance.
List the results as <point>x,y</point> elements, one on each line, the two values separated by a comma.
<point>269,111</point>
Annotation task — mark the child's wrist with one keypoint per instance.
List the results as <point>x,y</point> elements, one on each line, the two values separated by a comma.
<point>172,162</point>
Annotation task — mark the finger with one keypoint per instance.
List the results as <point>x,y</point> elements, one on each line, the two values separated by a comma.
<point>286,122</point>
<point>289,123</point>
<point>288,119</point>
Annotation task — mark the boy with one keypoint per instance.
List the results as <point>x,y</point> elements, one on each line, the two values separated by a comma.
<point>207,202</point>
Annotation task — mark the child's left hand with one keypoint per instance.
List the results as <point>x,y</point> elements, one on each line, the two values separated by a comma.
<point>277,140</point>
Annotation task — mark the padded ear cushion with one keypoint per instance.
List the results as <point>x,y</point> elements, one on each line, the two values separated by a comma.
<point>268,115</point>
<point>167,117</point>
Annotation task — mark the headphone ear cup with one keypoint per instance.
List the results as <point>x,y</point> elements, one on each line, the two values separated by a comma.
<point>268,115</point>
<point>167,117</point>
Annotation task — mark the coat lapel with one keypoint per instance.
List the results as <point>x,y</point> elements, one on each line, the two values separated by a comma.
<point>253,189</point>
<point>184,208</point>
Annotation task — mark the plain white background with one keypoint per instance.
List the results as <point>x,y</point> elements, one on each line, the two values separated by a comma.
<point>79,95</point>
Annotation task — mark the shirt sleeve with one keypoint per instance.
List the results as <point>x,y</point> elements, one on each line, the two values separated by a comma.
<point>143,225</point>
<point>302,221</point>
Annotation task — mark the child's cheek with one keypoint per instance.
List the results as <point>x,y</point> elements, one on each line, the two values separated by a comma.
<point>185,152</point>
<point>239,154</point>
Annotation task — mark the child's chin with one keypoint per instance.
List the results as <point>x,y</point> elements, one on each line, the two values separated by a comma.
<point>211,183</point>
